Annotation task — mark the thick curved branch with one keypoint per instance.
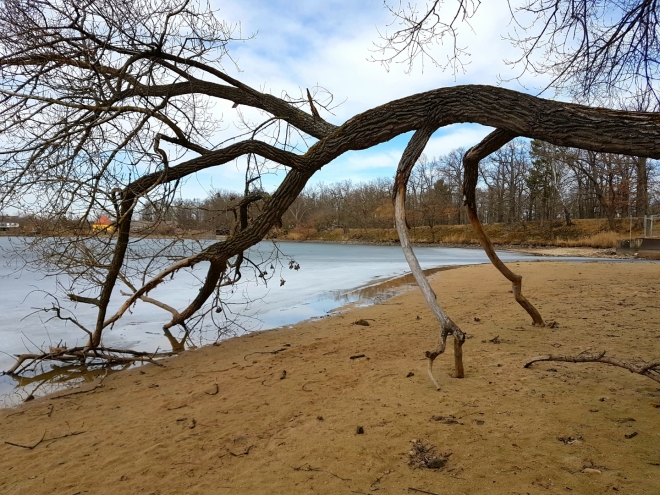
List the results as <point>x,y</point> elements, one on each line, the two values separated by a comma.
<point>534,117</point>
<point>491,143</point>
<point>410,156</point>
<point>216,270</point>
<point>555,122</point>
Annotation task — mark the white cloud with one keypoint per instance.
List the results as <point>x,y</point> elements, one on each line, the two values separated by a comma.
<point>301,44</point>
<point>455,136</point>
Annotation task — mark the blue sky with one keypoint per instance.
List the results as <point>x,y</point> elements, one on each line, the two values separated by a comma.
<point>302,44</point>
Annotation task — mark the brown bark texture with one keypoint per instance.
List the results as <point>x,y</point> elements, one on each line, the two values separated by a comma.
<point>494,141</point>
<point>649,369</point>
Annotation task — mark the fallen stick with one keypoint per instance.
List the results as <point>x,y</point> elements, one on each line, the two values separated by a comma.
<point>648,369</point>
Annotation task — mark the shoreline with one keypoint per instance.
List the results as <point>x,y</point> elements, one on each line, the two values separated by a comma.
<point>527,248</point>
<point>368,294</point>
<point>227,419</point>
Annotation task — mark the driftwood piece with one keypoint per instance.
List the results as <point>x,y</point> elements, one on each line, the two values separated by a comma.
<point>447,326</point>
<point>649,369</point>
<point>491,143</point>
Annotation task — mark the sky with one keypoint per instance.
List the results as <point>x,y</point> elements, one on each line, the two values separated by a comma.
<point>295,45</point>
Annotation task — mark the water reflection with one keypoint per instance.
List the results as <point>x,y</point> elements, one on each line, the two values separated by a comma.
<point>380,291</point>
<point>52,378</point>
<point>178,345</point>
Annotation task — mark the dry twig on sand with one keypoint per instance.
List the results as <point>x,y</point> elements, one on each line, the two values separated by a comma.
<point>649,369</point>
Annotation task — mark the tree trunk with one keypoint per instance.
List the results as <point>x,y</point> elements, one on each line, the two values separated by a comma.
<point>567,216</point>
<point>642,193</point>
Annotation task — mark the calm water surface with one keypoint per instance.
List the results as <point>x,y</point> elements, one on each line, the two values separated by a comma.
<point>330,276</point>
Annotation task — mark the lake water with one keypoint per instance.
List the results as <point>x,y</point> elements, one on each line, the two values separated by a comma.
<point>330,276</point>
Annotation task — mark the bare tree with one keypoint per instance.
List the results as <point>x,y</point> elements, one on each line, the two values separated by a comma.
<point>593,49</point>
<point>610,178</point>
<point>105,105</point>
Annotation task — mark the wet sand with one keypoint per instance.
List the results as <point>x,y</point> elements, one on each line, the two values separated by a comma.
<point>227,419</point>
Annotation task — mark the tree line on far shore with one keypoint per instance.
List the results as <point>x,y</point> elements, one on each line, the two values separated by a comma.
<point>523,181</point>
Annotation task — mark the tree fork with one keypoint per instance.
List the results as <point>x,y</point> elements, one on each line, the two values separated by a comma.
<point>491,143</point>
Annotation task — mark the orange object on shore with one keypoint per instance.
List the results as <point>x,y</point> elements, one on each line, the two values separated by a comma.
<point>103,223</point>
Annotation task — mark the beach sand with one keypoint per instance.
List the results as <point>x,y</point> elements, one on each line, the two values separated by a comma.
<point>225,420</point>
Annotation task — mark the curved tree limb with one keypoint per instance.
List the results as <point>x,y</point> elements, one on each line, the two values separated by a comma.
<point>491,143</point>
<point>447,326</point>
<point>649,369</point>
<point>556,122</point>
<point>216,270</point>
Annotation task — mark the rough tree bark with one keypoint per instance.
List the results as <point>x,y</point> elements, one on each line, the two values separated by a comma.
<point>494,141</point>
<point>642,190</point>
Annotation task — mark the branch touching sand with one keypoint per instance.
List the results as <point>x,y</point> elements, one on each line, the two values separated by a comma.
<point>649,369</point>
<point>44,439</point>
<point>447,326</point>
<point>491,143</point>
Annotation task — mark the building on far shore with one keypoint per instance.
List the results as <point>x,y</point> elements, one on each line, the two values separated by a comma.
<point>5,226</point>
<point>104,223</point>
<point>9,222</point>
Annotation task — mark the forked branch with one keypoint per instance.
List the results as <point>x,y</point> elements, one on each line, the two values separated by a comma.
<point>447,326</point>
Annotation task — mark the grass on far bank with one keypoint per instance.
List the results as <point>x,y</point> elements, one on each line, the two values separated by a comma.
<point>592,233</point>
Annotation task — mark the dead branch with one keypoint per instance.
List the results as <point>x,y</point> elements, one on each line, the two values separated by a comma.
<point>81,355</point>
<point>29,447</point>
<point>308,468</point>
<point>277,351</point>
<point>491,143</point>
<point>447,326</point>
<point>649,369</point>
<point>155,302</point>
<point>315,112</point>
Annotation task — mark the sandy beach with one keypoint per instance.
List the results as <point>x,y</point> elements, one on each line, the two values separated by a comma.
<point>279,412</point>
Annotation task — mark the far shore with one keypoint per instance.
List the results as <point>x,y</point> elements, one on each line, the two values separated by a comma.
<point>528,248</point>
